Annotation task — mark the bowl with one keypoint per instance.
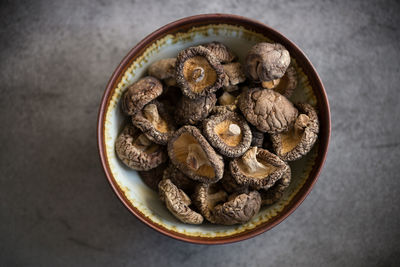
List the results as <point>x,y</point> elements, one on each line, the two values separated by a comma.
<point>238,33</point>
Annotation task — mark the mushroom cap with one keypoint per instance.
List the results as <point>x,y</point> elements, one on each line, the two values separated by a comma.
<point>189,61</point>
<point>178,202</point>
<point>206,197</point>
<point>229,183</point>
<point>163,68</point>
<point>234,74</point>
<point>140,94</point>
<point>179,179</point>
<point>287,83</point>
<point>152,177</point>
<point>302,144</point>
<point>266,62</point>
<point>134,157</point>
<point>238,210</point>
<point>275,168</point>
<point>159,133</point>
<point>267,110</point>
<point>215,128</point>
<point>220,51</point>
<point>274,193</point>
<point>179,148</point>
<point>258,137</point>
<point>191,111</point>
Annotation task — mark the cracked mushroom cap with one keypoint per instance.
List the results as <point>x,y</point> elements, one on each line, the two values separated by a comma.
<point>234,74</point>
<point>273,194</point>
<point>140,94</point>
<point>191,111</point>
<point>198,72</point>
<point>178,202</point>
<point>240,209</point>
<point>164,69</point>
<point>190,152</point>
<point>155,122</point>
<point>258,168</point>
<point>206,197</point>
<point>266,62</point>
<point>220,51</point>
<point>229,133</point>
<point>179,179</point>
<point>267,110</point>
<point>152,177</point>
<point>285,85</point>
<point>300,138</point>
<point>137,152</point>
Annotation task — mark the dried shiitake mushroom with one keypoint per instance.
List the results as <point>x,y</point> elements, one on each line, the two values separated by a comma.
<point>155,122</point>
<point>178,202</point>
<point>164,69</point>
<point>152,177</point>
<point>267,62</point>
<point>198,72</point>
<point>190,152</point>
<point>179,179</point>
<point>300,138</point>
<point>229,133</point>
<point>274,193</point>
<point>258,137</point>
<point>234,75</point>
<point>140,94</point>
<point>239,209</point>
<point>258,168</point>
<point>285,85</point>
<point>137,152</point>
<point>191,111</point>
<point>229,183</point>
<point>267,110</point>
<point>206,197</point>
<point>220,51</point>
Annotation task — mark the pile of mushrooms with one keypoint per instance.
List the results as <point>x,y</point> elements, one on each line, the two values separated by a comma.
<point>214,136</point>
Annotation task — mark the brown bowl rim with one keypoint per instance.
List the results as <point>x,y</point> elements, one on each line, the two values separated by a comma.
<point>315,82</point>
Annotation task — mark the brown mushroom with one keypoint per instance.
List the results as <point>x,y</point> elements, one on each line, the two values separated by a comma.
<point>155,122</point>
<point>285,85</point>
<point>140,94</point>
<point>137,152</point>
<point>206,197</point>
<point>240,209</point>
<point>267,62</point>
<point>191,111</point>
<point>179,179</point>
<point>299,140</point>
<point>198,72</point>
<point>229,183</point>
<point>258,168</point>
<point>190,152</point>
<point>220,51</point>
<point>178,202</point>
<point>229,133</point>
<point>164,69</point>
<point>258,137</point>
<point>234,75</point>
<point>274,193</point>
<point>267,110</point>
<point>152,177</point>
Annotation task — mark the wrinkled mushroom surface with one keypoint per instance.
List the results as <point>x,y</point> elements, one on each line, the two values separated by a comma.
<point>164,69</point>
<point>273,194</point>
<point>285,85</point>
<point>179,179</point>
<point>178,202</point>
<point>206,197</point>
<point>234,74</point>
<point>229,183</point>
<point>152,177</point>
<point>229,133</point>
<point>198,72</point>
<point>155,122</point>
<point>220,51</point>
<point>267,62</point>
<point>191,111</point>
<point>140,94</point>
<point>267,110</point>
<point>300,138</point>
<point>190,152</point>
<point>258,168</point>
<point>257,137</point>
<point>137,152</point>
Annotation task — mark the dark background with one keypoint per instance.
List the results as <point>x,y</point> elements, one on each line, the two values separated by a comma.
<point>57,208</point>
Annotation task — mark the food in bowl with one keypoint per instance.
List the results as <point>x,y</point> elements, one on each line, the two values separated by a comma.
<point>210,149</point>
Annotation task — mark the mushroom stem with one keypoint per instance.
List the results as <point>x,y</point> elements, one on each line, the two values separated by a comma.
<point>271,84</point>
<point>213,199</point>
<point>142,142</point>
<point>301,123</point>
<point>250,161</point>
<point>232,130</point>
<point>196,157</point>
<point>151,113</point>
<point>198,74</point>
<point>227,99</point>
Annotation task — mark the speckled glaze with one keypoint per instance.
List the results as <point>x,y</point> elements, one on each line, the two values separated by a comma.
<point>239,34</point>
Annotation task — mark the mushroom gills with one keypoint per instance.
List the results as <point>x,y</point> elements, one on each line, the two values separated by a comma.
<point>292,138</point>
<point>190,152</point>
<point>151,113</point>
<point>273,83</point>
<point>199,73</point>
<point>144,144</point>
<point>230,132</point>
<point>253,167</point>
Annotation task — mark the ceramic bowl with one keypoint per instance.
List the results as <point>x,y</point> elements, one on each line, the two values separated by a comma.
<point>239,34</point>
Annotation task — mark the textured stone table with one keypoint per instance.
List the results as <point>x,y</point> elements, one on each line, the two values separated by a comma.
<point>56,207</point>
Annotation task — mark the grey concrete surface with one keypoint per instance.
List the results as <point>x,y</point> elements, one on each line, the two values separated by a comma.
<point>56,207</point>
